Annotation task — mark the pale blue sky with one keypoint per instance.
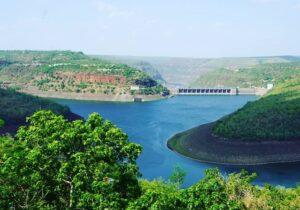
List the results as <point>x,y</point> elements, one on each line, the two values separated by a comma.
<point>184,28</point>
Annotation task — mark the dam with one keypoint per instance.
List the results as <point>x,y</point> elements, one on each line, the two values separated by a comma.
<point>221,91</point>
<point>207,91</point>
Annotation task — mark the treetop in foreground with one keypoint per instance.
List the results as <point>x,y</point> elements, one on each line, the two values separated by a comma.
<point>53,163</point>
<point>56,164</point>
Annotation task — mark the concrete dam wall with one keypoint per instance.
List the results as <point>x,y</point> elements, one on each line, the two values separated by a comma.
<point>221,91</point>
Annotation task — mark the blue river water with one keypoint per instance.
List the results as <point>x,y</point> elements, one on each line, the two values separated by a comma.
<point>151,124</point>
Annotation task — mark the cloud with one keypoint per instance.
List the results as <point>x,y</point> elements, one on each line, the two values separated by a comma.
<point>111,10</point>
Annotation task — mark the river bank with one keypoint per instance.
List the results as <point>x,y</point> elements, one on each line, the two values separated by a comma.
<point>200,144</point>
<point>91,96</point>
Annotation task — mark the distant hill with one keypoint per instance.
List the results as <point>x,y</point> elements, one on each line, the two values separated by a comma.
<point>186,71</point>
<point>15,107</point>
<point>72,72</point>
<point>275,116</point>
<point>136,63</point>
<point>255,76</point>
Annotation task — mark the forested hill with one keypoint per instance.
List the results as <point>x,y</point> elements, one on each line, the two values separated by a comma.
<point>15,107</point>
<point>72,72</point>
<point>189,71</point>
<point>275,116</point>
<point>254,76</point>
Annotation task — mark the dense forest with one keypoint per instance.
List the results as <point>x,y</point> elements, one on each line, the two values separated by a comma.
<point>276,116</point>
<point>254,76</point>
<point>55,164</point>
<point>15,107</point>
<point>67,71</point>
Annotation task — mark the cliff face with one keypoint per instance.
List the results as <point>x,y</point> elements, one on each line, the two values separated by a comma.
<point>92,77</point>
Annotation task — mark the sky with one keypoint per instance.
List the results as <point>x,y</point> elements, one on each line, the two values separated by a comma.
<point>175,28</point>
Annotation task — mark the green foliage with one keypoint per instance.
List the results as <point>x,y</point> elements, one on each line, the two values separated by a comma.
<point>42,82</point>
<point>57,164</point>
<point>2,123</point>
<point>257,76</point>
<point>178,175</point>
<point>82,85</point>
<point>210,193</point>
<point>15,107</point>
<point>275,116</point>
<point>41,69</point>
<point>159,89</point>
<point>215,191</point>
<point>28,56</point>
<point>158,195</point>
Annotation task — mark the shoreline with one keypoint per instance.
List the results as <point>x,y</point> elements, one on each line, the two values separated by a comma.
<point>93,96</point>
<point>228,164</point>
<point>200,145</point>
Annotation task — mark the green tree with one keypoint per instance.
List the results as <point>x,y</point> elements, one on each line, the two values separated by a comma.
<point>158,195</point>
<point>178,175</point>
<point>53,163</point>
<point>209,193</point>
<point>2,123</point>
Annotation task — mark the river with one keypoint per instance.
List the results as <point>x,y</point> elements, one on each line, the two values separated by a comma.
<point>151,124</point>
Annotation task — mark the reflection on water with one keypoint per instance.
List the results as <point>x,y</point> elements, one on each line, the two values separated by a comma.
<point>151,124</point>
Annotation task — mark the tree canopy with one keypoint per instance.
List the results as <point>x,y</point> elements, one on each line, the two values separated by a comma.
<point>55,164</point>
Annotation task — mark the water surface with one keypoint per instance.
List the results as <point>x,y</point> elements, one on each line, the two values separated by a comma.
<point>151,124</point>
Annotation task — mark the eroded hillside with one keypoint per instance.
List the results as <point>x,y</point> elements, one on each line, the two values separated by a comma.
<point>73,72</point>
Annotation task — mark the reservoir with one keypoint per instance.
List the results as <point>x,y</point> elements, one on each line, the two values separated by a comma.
<point>151,124</point>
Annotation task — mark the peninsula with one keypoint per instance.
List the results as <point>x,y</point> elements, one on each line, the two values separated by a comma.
<point>264,131</point>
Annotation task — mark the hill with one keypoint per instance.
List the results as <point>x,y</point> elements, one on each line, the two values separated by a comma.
<point>73,73</point>
<point>15,107</point>
<point>185,71</point>
<point>275,116</point>
<point>255,76</point>
<point>135,62</point>
<point>264,131</point>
